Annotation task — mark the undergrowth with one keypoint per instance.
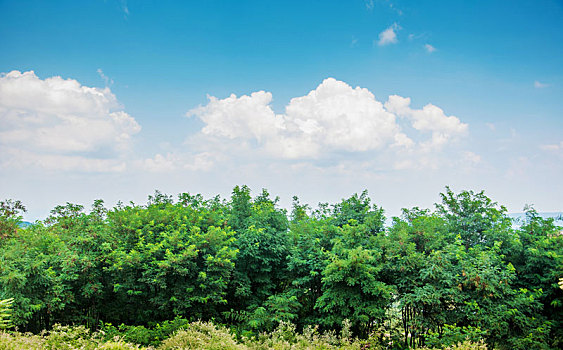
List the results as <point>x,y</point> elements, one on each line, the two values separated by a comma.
<point>199,335</point>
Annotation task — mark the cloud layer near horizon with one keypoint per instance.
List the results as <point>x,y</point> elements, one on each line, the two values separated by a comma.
<point>334,139</point>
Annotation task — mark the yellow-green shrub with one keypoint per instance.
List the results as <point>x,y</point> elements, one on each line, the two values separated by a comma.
<point>202,335</point>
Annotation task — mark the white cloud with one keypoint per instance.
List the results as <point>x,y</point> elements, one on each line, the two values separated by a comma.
<point>369,4</point>
<point>331,119</point>
<point>337,116</point>
<point>539,85</point>
<point>429,48</point>
<point>244,117</point>
<point>56,118</point>
<point>430,118</point>
<point>388,36</point>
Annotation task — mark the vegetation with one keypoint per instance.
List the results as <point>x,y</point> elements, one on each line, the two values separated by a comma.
<point>243,273</point>
<point>201,335</point>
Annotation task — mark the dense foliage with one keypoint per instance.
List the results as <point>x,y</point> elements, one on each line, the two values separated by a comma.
<point>461,272</point>
<point>199,335</point>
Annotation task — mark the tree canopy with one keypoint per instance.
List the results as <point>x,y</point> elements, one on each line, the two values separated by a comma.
<point>430,278</point>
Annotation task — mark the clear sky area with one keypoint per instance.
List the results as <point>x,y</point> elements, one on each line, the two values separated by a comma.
<point>321,99</point>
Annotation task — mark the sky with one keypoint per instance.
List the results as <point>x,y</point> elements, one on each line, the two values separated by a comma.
<point>115,99</point>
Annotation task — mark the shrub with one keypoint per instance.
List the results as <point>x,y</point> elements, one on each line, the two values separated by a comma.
<point>286,337</point>
<point>62,338</point>
<point>453,335</point>
<point>150,335</point>
<point>67,337</point>
<point>20,341</point>
<point>468,345</point>
<point>202,335</point>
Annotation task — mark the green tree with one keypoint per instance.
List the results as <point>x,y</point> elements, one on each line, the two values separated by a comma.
<point>10,217</point>
<point>352,282</point>
<point>474,216</point>
<point>174,259</point>
<point>538,261</point>
<point>310,243</point>
<point>261,241</point>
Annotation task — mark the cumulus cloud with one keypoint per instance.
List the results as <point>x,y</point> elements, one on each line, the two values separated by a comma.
<point>58,119</point>
<point>388,36</point>
<point>428,119</point>
<point>337,116</point>
<point>330,119</point>
<point>244,117</point>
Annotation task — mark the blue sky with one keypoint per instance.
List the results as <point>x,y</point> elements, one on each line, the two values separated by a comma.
<point>493,70</point>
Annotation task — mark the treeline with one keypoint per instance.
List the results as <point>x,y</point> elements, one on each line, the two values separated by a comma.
<point>432,278</point>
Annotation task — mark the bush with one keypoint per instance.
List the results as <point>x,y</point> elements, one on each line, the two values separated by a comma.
<point>286,337</point>
<point>205,335</point>
<point>202,335</point>
<point>62,338</point>
<point>467,345</point>
<point>67,337</point>
<point>452,335</point>
<point>151,335</point>
<point>20,341</point>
